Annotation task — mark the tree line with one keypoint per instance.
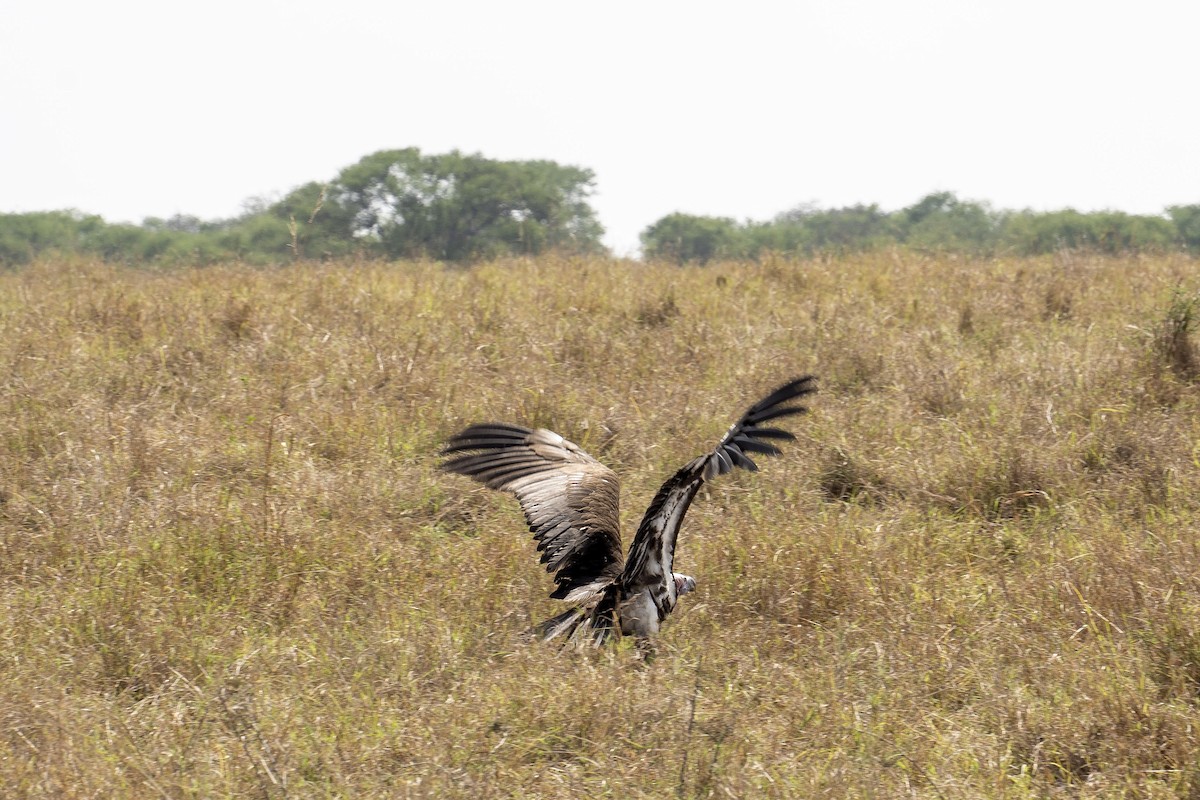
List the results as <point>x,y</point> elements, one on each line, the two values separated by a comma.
<point>391,204</point>
<point>459,207</point>
<point>938,222</point>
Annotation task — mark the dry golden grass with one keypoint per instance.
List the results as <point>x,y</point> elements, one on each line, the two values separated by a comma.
<point>229,566</point>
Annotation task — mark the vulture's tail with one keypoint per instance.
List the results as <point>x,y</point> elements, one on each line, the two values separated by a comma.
<point>564,625</point>
<point>595,622</point>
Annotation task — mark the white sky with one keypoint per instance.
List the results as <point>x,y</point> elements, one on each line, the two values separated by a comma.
<point>133,108</point>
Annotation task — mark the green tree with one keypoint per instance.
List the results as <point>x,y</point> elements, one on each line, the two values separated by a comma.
<point>940,221</point>
<point>1030,232</point>
<point>856,227</point>
<point>259,238</point>
<point>684,238</point>
<point>1186,220</point>
<point>400,203</point>
<point>183,223</point>
<point>24,236</point>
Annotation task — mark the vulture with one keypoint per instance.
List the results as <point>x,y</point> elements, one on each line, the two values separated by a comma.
<point>570,501</point>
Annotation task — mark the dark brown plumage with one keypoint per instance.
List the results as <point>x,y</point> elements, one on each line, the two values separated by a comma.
<point>571,502</point>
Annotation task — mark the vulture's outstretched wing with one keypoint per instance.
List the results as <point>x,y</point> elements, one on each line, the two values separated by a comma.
<point>653,549</point>
<point>570,499</point>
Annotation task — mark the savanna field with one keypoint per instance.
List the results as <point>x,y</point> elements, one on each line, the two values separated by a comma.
<point>230,566</point>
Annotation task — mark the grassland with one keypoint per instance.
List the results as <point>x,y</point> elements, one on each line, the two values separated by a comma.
<point>230,568</point>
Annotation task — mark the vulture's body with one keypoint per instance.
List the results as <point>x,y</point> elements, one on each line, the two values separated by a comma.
<point>571,503</point>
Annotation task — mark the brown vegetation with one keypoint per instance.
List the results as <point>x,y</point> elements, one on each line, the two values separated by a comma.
<point>230,567</point>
